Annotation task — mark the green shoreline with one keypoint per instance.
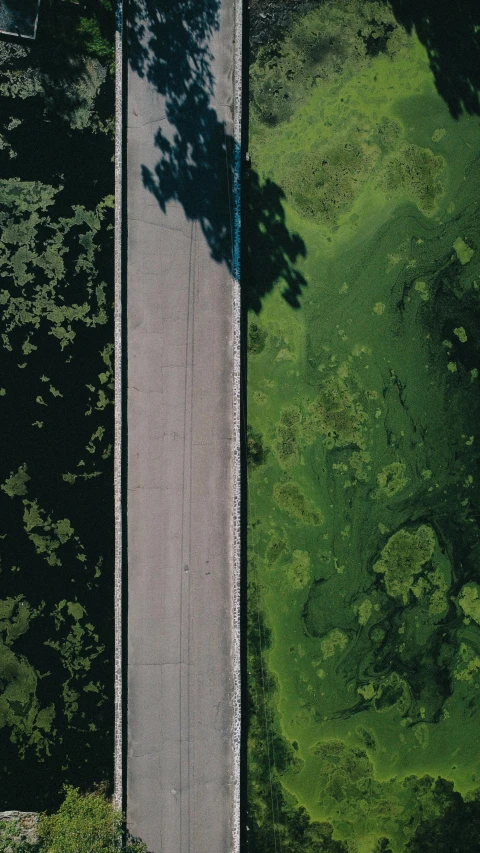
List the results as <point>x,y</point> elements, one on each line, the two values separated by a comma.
<point>363,413</point>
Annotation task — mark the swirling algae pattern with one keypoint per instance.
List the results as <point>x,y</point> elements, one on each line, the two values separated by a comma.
<point>364,574</point>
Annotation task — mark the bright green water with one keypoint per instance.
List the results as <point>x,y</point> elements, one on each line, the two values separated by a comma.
<point>363,506</point>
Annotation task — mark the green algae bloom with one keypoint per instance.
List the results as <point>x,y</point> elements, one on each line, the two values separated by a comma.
<point>298,571</point>
<point>364,602</point>
<point>402,558</point>
<point>391,480</point>
<point>464,253</point>
<point>292,500</point>
<point>469,601</point>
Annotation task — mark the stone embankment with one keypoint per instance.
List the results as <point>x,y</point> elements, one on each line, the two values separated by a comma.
<point>27,823</point>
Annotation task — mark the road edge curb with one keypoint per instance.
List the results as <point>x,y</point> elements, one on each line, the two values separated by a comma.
<point>236,272</point>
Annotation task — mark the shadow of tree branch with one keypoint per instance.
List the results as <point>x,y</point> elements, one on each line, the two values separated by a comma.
<point>170,46</point>
<point>450,32</point>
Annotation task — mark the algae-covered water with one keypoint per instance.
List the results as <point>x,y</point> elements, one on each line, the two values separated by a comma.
<point>363,485</point>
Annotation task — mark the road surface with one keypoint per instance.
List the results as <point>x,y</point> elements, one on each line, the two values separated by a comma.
<point>180,763</point>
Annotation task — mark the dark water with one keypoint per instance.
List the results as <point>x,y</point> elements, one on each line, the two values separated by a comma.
<point>56,509</point>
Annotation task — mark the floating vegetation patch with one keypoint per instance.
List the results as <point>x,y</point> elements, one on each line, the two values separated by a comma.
<point>28,723</point>
<point>337,415</point>
<point>292,500</point>
<point>39,265</point>
<point>402,558</point>
<point>288,434</point>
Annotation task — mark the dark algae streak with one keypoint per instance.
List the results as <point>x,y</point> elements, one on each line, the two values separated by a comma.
<point>363,441</point>
<point>56,391</point>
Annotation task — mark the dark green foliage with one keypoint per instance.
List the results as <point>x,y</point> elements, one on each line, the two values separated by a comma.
<point>96,43</point>
<point>91,30</point>
<point>85,823</point>
<point>11,838</point>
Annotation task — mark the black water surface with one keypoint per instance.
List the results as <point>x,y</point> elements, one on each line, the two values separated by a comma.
<point>50,151</point>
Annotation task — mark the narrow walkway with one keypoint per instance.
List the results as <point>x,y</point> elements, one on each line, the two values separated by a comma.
<point>180,763</point>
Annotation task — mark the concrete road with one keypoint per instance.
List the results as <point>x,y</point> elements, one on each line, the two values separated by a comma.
<point>180,766</point>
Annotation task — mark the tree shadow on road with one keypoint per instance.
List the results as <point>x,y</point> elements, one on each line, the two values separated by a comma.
<point>170,46</point>
<point>450,32</point>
